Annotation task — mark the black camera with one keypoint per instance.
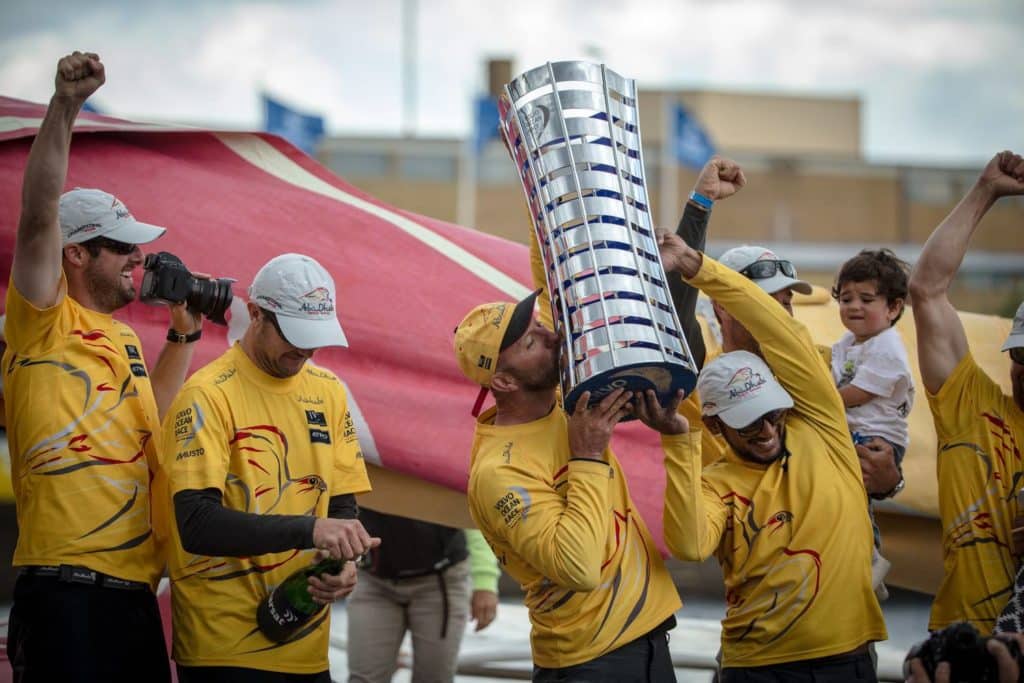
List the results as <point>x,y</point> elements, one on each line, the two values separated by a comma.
<point>168,281</point>
<point>964,649</point>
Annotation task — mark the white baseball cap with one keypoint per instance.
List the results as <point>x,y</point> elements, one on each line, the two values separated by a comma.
<point>85,214</point>
<point>300,292</point>
<point>1016,338</point>
<point>739,387</point>
<point>739,258</point>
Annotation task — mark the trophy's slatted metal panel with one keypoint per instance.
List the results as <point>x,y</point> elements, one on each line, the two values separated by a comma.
<point>572,131</point>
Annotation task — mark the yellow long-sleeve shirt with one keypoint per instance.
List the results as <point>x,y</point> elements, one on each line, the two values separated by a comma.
<point>793,537</point>
<point>568,531</point>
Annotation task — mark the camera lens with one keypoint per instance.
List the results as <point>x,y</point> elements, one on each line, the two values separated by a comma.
<point>212,298</point>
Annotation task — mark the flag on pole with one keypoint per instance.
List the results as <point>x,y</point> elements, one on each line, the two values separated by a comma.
<point>301,129</point>
<point>691,143</point>
<point>485,121</point>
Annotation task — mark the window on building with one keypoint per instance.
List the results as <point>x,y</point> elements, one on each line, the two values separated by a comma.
<point>930,187</point>
<point>350,164</point>
<point>496,169</point>
<point>434,167</point>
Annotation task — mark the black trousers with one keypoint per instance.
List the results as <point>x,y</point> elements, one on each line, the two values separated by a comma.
<point>854,668</point>
<point>237,674</point>
<point>80,633</point>
<point>644,660</point>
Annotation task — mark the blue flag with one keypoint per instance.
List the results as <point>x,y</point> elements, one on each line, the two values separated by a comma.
<point>485,120</point>
<point>691,143</point>
<point>302,130</point>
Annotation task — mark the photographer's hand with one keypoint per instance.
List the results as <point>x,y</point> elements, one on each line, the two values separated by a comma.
<point>1009,670</point>
<point>184,320</point>
<point>919,675</point>
<point>168,374</point>
<point>1009,667</point>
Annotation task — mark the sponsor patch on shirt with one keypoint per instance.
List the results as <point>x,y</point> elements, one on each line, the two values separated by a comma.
<point>319,436</point>
<point>132,351</point>
<point>188,422</point>
<point>138,369</point>
<point>315,417</point>
<point>514,506</point>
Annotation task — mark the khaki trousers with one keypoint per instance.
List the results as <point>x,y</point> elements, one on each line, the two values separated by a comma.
<point>380,611</point>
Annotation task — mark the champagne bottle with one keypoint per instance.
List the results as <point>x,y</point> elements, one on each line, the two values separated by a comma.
<point>290,605</point>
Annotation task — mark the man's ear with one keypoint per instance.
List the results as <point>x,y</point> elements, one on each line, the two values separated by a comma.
<point>254,310</point>
<point>712,424</point>
<point>502,382</point>
<point>76,254</point>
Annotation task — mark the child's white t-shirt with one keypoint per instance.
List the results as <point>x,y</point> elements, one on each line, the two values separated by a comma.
<point>879,366</point>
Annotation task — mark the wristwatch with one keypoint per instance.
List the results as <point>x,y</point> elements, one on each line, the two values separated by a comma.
<point>181,338</point>
<point>892,493</point>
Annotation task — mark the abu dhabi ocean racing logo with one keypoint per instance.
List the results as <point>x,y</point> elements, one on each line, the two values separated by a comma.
<point>494,315</point>
<point>317,301</point>
<point>745,382</point>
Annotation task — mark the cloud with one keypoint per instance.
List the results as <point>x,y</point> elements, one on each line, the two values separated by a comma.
<point>939,81</point>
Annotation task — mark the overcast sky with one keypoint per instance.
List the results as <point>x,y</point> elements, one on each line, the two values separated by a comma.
<point>941,81</point>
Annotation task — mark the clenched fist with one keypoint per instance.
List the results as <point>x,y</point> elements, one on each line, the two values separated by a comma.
<point>1004,174</point>
<point>720,178</point>
<point>79,75</point>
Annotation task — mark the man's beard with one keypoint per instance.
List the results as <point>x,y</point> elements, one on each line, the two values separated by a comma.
<point>739,447</point>
<point>549,380</point>
<point>545,379</point>
<point>107,296</point>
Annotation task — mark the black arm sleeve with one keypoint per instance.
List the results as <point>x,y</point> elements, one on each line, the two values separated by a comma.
<point>693,228</point>
<point>207,527</point>
<point>343,507</point>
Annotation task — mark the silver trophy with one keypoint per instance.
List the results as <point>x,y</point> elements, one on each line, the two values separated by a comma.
<point>573,131</point>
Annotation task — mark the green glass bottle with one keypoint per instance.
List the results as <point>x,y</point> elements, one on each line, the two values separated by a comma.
<point>290,605</point>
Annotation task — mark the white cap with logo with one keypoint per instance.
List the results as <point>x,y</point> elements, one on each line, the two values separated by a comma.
<point>739,387</point>
<point>85,214</point>
<point>300,292</point>
<point>739,258</point>
<point>1016,338</point>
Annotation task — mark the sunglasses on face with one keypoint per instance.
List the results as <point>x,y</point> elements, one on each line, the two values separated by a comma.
<point>762,270</point>
<point>120,248</point>
<point>1017,354</point>
<point>774,418</point>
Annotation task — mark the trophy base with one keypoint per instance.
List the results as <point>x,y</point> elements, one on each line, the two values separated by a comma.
<point>664,378</point>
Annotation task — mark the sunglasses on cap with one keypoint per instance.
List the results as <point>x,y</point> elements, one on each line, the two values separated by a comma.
<point>774,418</point>
<point>1017,354</point>
<point>762,270</point>
<point>121,248</point>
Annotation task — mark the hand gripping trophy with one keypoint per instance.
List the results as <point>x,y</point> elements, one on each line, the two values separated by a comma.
<point>572,129</point>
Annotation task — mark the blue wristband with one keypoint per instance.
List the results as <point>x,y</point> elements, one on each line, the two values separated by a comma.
<point>702,201</point>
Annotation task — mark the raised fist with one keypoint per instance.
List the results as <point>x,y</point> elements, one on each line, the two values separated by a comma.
<point>79,75</point>
<point>1004,174</point>
<point>720,178</point>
